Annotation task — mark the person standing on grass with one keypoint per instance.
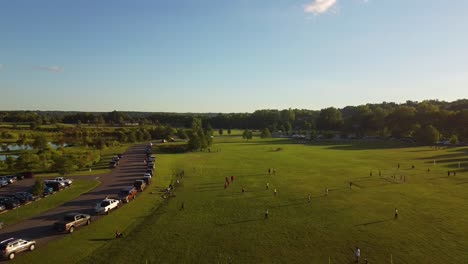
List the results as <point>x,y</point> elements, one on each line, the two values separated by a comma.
<point>268,185</point>
<point>398,165</point>
<point>326,192</point>
<point>396,214</point>
<point>350,185</point>
<point>225,185</point>
<point>232,178</point>
<point>269,171</point>
<point>182,206</point>
<point>358,254</point>
<point>266,214</point>
<point>243,190</point>
<point>448,173</point>
<point>370,174</point>
<point>308,198</point>
<point>275,192</point>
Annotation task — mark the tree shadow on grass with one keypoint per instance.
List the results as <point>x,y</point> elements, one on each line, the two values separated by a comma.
<point>363,145</point>
<point>101,239</point>
<point>374,222</point>
<point>241,222</point>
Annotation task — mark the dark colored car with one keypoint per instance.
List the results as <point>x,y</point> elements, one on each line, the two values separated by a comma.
<point>47,190</point>
<point>120,156</point>
<point>56,186</point>
<point>9,203</point>
<point>147,180</point>
<point>140,185</point>
<point>150,171</point>
<point>21,200</point>
<point>20,176</point>
<point>24,195</point>
<point>112,164</point>
<point>127,194</point>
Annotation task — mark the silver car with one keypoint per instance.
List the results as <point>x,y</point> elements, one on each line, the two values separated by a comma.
<point>9,247</point>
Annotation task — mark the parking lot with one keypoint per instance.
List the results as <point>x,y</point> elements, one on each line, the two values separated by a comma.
<point>39,228</point>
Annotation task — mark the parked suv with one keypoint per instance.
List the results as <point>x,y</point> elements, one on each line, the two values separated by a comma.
<point>140,185</point>
<point>127,194</point>
<point>9,247</point>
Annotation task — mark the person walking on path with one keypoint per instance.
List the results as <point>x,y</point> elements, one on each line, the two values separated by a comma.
<point>396,214</point>
<point>358,254</point>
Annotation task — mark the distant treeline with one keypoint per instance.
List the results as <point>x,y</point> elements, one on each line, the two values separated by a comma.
<point>411,119</point>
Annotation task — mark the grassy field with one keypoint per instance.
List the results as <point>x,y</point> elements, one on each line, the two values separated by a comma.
<point>79,187</point>
<point>227,226</point>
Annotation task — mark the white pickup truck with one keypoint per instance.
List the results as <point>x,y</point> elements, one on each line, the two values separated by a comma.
<point>106,205</point>
<point>67,182</point>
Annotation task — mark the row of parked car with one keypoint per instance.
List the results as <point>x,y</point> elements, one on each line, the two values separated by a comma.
<point>14,200</point>
<point>9,179</point>
<point>10,247</point>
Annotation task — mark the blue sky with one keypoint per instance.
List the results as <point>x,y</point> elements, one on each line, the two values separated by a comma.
<point>229,56</point>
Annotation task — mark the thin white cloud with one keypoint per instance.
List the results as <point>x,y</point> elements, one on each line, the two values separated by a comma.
<point>318,7</point>
<point>50,68</point>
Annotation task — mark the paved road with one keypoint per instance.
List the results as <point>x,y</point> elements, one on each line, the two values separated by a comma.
<point>39,227</point>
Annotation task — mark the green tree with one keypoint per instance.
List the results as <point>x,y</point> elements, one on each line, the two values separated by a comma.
<point>265,133</point>
<point>330,119</point>
<point>181,133</point>
<point>427,135</point>
<point>38,187</point>
<point>64,164</point>
<point>454,139</point>
<point>21,140</point>
<point>27,161</point>
<point>247,134</point>
<point>40,142</point>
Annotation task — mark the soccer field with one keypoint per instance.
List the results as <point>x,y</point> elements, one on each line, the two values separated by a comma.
<point>219,225</point>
